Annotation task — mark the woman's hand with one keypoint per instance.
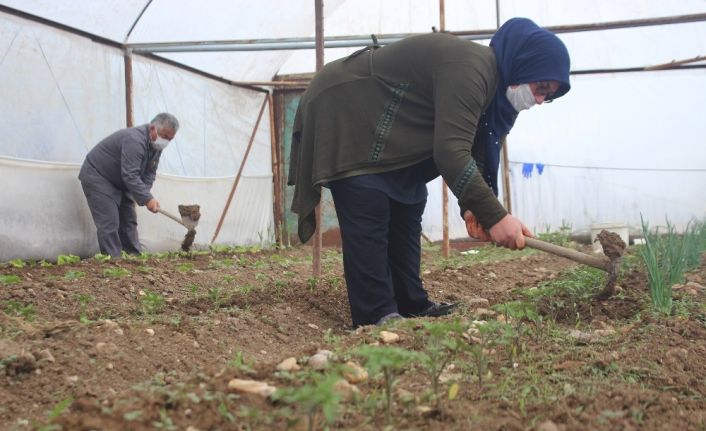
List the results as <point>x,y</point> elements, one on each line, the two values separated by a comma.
<point>510,232</point>
<point>474,229</point>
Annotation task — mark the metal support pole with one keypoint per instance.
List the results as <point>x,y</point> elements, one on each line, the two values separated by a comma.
<point>240,172</point>
<point>319,13</point>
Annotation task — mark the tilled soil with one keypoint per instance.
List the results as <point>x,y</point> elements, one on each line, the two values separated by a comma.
<point>149,344</point>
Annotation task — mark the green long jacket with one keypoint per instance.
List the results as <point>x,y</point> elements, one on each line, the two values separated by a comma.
<point>384,109</point>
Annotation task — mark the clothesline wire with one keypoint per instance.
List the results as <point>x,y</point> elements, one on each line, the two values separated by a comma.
<point>612,168</point>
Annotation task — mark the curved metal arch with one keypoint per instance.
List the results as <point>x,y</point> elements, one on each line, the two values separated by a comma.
<point>134,24</point>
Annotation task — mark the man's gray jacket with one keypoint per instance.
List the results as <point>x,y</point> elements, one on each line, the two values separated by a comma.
<point>123,162</point>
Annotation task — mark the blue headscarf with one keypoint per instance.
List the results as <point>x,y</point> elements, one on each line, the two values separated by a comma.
<point>524,53</point>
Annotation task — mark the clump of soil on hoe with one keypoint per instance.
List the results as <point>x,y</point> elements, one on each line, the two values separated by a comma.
<point>190,214</point>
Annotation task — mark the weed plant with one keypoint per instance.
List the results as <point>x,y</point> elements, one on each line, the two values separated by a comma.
<point>151,303</point>
<point>16,308</point>
<point>102,258</point>
<point>67,259</point>
<point>443,340</point>
<point>83,301</point>
<point>74,275</point>
<point>17,263</point>
<point>115,272</point>
<point>9,279</point>
<point>390,361</point>
<point>319,395</point>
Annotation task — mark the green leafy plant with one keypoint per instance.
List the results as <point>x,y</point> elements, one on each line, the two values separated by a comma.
<point>390,361</point>
<point>16,308</point>
<point>442,341</point>
<point>185,267</point>
<point>240,363</point>
<point>115,272</point>
<point>560,237</point>
<point>193,288</point>
<point>83,301</point>
<point>312,282</point>
<point>17,263</point>
<point>482,340</point>
<point>216,296</point>
<point>102,258</point>
<point>9,279</point>
<point>152,303</point>
<point>319,395</point>
<point>74,275</point>
<point>54,413</point>
<point>67,259</point>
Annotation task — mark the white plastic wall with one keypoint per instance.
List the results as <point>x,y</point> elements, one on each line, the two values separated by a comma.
<point>44,212</point>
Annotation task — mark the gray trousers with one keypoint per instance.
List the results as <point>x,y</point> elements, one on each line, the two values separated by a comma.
<point>116,223</point>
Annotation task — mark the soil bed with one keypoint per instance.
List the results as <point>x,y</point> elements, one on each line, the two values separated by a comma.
<point>152,343</point>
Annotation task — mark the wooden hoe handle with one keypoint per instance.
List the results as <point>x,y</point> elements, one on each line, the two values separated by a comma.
<point>172,216</point>
<point>602,263</point>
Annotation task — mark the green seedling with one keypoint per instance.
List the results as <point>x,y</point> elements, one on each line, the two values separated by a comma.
<point>54,413</point>
<point>241,364</point>
<point>246,288</point>
<point>83,301</point>
<point>216,296</point>
<point>516,314</point>
<point>331,338</point>
<point>185,267</point>
<point>151,303</point>
<point>115,272</point>
<point>193,288</point>
<point>9,279</point>
<point>74,275</point>
<point>228,278</point>
<point>280,285</point>
<point>317,396</point>
<point>67,259</point>
<point>102,258</point>
<point>17,263</point>
<point>44,264</point>
<point>561,237</point>
<point>390,361</point>
<point>260,276</point>
<point>16,308</point>
<point>442,341</point>
<point>312,282</point>
<point>481,342</point>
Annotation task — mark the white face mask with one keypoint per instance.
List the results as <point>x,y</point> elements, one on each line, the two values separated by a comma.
<point>160,143</point>
<point>521,97</point>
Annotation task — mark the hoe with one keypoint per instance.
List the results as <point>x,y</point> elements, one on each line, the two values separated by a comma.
<point>190,216</point>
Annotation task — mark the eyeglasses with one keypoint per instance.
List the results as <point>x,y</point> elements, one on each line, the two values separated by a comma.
<point>544,88</point>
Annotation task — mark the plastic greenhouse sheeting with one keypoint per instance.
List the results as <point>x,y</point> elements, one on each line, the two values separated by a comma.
<point>53,218</point>
<point>619,144</point>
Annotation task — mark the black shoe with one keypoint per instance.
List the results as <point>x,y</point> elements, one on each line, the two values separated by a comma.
<point>389,318</point>
<point>437,309</point>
